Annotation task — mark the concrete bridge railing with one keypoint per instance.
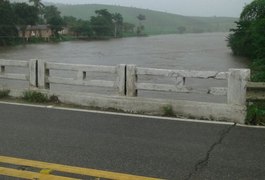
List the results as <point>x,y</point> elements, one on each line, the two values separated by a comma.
<point>80,78</point>
<point>127,85</point>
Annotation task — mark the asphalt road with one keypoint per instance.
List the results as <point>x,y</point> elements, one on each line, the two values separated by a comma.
<point>133,145</point>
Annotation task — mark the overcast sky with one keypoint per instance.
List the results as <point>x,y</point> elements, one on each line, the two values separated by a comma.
<point>184,7</point>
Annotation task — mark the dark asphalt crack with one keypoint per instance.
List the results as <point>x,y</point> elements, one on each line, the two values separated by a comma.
<point>203,163</point>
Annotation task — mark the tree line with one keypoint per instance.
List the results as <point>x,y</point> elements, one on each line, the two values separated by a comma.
<point>248,40</point>
<point>17,16</point>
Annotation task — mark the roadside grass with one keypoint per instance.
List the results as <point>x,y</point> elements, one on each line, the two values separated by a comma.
<point>256,110</point>
<point>38,97</point>
<point>168,111</point>
<point>35,97</point>
<point>256,114</point>
<point>4,93</point>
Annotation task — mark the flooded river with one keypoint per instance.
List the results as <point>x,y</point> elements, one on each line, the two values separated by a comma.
<point>189,51</point>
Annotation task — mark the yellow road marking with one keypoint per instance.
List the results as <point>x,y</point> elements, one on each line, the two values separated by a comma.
<point>30,175</point>
<point>71,169</point>
<point>46,171</point>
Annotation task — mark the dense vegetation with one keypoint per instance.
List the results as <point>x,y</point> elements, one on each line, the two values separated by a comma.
<point>97,21</point>
<point>248,40</point>
<point>17,17</point>
<point>156,22</point>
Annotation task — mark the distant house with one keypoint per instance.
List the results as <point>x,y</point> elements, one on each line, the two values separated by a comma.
<point>38,31</point>
<point>64,31</point>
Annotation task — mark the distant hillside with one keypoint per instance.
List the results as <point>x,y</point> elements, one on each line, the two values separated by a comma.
<point>156,22</point>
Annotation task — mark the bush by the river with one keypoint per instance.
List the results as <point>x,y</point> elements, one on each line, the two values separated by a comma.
<point>248,40</point>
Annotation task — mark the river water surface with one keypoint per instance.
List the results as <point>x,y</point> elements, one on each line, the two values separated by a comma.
<point>188,51</point>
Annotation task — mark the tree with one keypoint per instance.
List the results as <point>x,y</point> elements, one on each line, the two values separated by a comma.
<point>25,15</point>
<point>102,24</point>
<point>118,23</point>
<point>37,4</point>
<point>253,11</point>
<point>140,27</point>
<point>40,6</point>
<point>141,17</point>
<point>54,19</point>
<point>248,39</point>
<point>8,29</point>
<point>128,27</point>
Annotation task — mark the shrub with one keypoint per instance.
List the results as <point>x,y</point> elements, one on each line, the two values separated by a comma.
<point>168,111</point>
<point>35,97</point>
<point>54,99</point>
<point>4,93</point>
<point>258,70</point>
<point>256,114</point>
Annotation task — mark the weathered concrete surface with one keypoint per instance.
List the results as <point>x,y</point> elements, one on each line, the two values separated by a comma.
<point>126,84</point>
<point>237,86</point>
<point>189,109</point>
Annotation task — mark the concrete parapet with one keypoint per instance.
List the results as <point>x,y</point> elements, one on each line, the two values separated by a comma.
<point>126,86</point>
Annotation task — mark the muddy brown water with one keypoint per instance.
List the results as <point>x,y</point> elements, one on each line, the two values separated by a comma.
<point>189,51</point>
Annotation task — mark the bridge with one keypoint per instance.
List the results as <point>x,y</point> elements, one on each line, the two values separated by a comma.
<point>125,82</point>
<point>49,142</point>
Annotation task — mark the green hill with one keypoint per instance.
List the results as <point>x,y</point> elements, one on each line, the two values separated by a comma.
<point>156,22</point>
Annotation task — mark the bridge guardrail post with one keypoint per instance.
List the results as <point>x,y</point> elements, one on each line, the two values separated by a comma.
<point>131,79</point>
<point>42,73</point>
<point>33,76</point>
<point>121,79</point>
<point>2,69</point>
<point>237,86</point>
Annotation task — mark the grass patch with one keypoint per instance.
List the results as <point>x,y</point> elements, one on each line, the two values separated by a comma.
<point>168,111</point>
<point>35,97</point>
<point>4,93</point>
<point>256,114</point>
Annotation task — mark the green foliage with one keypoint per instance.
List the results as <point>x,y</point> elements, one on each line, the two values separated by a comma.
<point>248,39</point>
<point>156,22</point>
<point>253,11</point>
<point>141,17</point>
<point>54,19</point>
<point>8,31</point>
<point>258,70</point>
<point>35,40</point>
<point>168,111</point>
<point>105,24</point>
<point>241,41</point>
<point>118,24</point>
<point>54,99</point>
<point>102,24</point>
<point>25,14</point>
<point>4,93</point>
<point>37,4</point>
<point>128,28</point>
<point>35,97</point>
<point>78,27</point>
<point>256,114</point>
